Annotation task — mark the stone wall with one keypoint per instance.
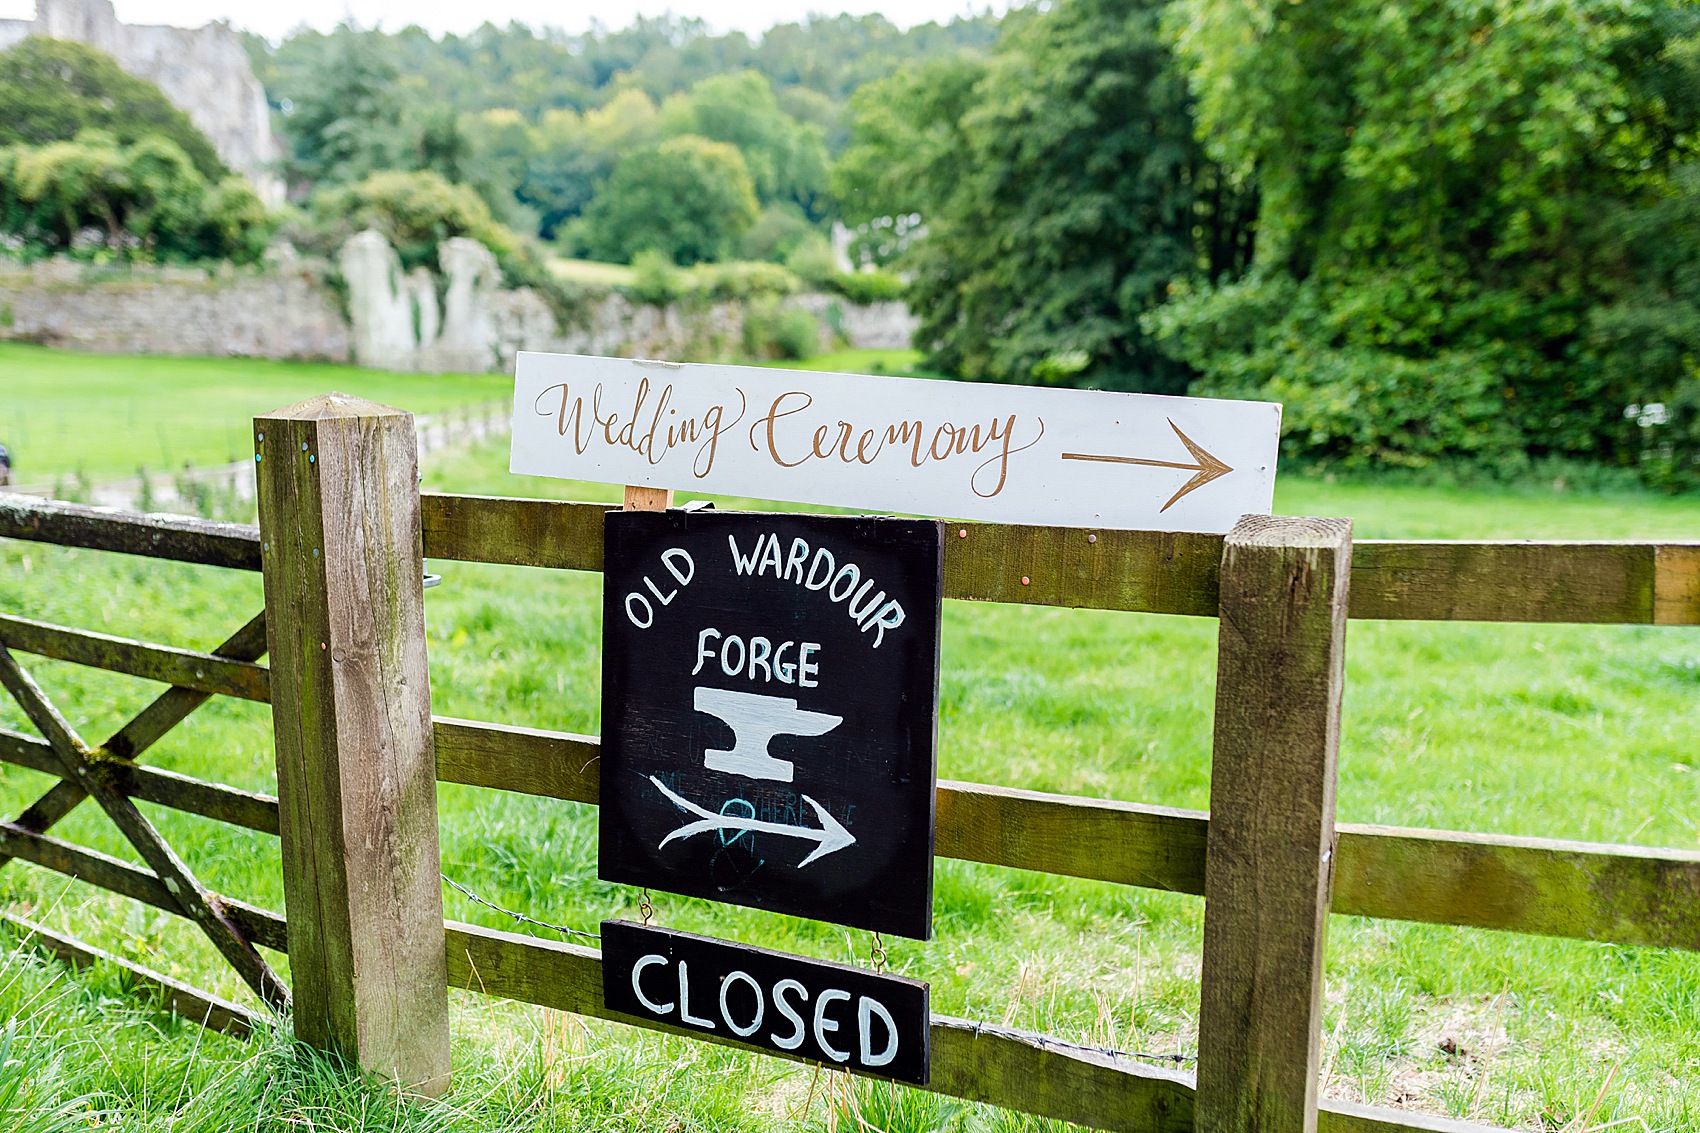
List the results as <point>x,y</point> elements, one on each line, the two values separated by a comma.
<point>463,319</point>
<point>280,313</point>
<point>459,319</point>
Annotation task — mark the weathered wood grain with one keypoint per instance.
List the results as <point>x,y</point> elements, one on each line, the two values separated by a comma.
<point>351,712</point>
<point>981,1062</point>
<point>640,498</point>
<point>558,765</point>
<point>1151,846</point>
<point>181,668</point>
<point>1176,573</point>
<point>1155,572</point>
<point>167,788</point>
<point>1503,581</point>
<point>175,705</point>
<point>192,897</point>
<point>493,529</point>
<point>1280,675</point>
<point>103,870</point>
<point>1158,847</point>
<point>1022,1071</point>
<point>1623,894</point>
<point>1676,585</point>
<point>1350,1117</point>
<point>1151,571</point>
<point>166,711</point>
<point>210,1011</point>
<point>176,537</point>
<point>262,926</point>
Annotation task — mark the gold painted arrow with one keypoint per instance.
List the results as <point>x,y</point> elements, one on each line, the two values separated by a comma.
<point>1208,468</point>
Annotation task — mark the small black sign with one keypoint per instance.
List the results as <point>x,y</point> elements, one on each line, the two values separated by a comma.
<point>769,711</point>
<point>829,1013</point>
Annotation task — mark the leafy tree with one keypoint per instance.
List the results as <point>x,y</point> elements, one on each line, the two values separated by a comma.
<point>51,90</point>
<point>689,198</point>
<point>907,149</point>
<point>354,101</point>
<point>1439,183</point>
<point>1648,337</point>
<point>97,197</point>
<point>342,117</point>
<point>573,154</point>
<point>1062,194</point>
<point>786,158</point>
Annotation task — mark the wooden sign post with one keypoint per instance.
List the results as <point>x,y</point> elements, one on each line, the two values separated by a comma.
<point>968,450</point>
<point>770,692</point>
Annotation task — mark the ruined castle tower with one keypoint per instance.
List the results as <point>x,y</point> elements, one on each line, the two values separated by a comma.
<point>204,71</point>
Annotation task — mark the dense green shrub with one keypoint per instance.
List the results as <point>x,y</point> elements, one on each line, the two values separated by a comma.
<point>867,286</point>
<point>773,330</point>
<point>740,279</point>
<point>812,261</point>
<point>779,229</point>
<point>97,198</point>
<point>656,279</point>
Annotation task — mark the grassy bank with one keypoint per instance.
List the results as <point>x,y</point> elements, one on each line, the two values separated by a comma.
<point>105,416</point>
<point>1562,731</point>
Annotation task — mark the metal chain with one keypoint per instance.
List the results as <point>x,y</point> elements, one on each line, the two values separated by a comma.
<point>646,908</point>
<point>878,955</point>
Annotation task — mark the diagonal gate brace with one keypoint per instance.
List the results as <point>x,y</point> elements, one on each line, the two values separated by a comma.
<point>171,708</point>
<point>196,902</point>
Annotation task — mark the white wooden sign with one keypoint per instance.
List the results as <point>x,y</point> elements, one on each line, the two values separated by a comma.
<point>963,450</point>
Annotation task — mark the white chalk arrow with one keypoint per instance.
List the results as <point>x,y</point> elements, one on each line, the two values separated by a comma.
<point>830,834</point>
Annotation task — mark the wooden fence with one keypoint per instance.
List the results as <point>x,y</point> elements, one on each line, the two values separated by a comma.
<point>343,528</point>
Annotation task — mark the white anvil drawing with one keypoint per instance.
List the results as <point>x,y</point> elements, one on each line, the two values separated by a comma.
<point>755,719</point>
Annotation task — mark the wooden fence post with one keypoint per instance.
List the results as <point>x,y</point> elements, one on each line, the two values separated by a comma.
<point>1279,678</point>
<point>351,708</point>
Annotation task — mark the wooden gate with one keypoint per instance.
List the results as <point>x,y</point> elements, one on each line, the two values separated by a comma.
<point>342,530</point>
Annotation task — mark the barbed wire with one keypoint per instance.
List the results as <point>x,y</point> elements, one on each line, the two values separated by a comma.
<point>521,917</point>
<point>1049,1042</point>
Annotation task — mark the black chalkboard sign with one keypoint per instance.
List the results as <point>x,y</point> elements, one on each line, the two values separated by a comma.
<point>769,711</point>
<point>828,1013</point>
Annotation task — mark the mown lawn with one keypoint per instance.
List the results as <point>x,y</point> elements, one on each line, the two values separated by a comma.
<point>1563,731</point>
<point>104,416</point>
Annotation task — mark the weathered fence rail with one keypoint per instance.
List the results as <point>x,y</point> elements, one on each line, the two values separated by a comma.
<point>1596,582</point>
<point>338,473</point>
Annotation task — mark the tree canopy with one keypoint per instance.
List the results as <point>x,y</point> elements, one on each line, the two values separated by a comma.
<point>786,158</point>
<point>536,121</point>
<point>1062,193</point>
<point>690,198</point>
<point>1456,196</point>
<point>51,90</point>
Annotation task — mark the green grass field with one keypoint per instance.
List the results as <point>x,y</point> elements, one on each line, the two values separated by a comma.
<point>1559,731</point>
<point>62,412</point>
